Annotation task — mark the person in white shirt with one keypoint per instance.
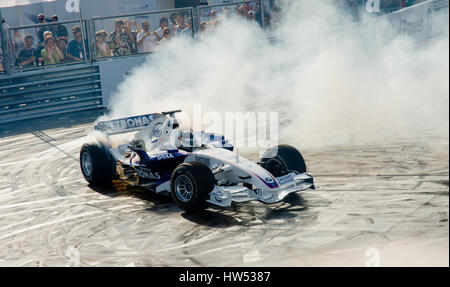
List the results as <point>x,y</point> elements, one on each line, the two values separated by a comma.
<point>188,30</point>
<point>146,39</point>
<point>163,23</point>
<point>180,26</point>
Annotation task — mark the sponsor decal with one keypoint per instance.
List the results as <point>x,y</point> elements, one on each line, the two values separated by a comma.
<point>126,124</point>
<point>165,156</point>
<point>285,179</point>
<point>146,173</point>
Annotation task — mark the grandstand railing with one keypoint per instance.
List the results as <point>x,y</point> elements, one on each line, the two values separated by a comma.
<point>204,12</point>
<point>107,23</point>
<point>34,31</point>
<point>198,15</point>
<point>93,25</point>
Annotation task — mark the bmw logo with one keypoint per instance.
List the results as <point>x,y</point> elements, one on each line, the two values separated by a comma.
<point>269,180</point>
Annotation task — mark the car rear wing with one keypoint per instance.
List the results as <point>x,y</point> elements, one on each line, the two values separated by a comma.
<point>127,125</point>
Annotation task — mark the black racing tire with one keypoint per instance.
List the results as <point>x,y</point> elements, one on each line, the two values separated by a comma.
<point>97,164</point>
<point>279,160</point>
<point>190,186</point>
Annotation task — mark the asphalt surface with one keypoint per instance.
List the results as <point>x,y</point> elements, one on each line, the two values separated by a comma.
<point>382,204</point>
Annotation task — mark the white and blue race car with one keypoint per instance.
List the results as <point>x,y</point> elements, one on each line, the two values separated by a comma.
<point>194,168</point>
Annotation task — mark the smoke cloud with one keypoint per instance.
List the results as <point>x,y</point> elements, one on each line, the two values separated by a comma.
<point>331,84</point>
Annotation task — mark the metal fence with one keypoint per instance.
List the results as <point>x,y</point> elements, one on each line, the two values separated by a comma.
<point>101,39</point>
<point>143,32</point>
<point>46,45</point>
<point>211,16</point>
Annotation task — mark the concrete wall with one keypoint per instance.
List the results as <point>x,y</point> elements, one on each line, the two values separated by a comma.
<point>113,72</point>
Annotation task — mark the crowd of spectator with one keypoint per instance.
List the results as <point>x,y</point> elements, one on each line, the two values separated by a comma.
<point>50,45</point>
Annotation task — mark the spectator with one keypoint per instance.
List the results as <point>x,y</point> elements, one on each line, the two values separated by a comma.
<point>163,23</point>
<point>203,29</point>
<point>27,56</point>
<point>51,54</point>
<point>242,11</point>
<point>103,48</point>
<point>121,42</point>
<point>75,49</point>
<point>58,30</point>
<point>251,16</point>
<point>136,25</point>
<point>146,39</point>
<point>165,37</point>
<point>132,34</point>
<point>188,30</point>
<point>213,17</point>
<point>42,29</point>
<point>180,26</point>
<point>18,42</point>
<point>61,43</point>
<point>226,12</point>
<point>40,47</point>
<point>173,19</point>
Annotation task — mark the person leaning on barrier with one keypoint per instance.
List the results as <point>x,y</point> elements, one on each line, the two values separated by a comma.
<point>51,54</point>
<point>62,43</point>
<point>226,12</point>
<point>103,49</point>
<point>75,49</point>
<point>127,30</point>
<point>251,16</point>
<point>188,30</point>
<point>146,39</point>
<point>163,23</point>
<point>18,42</point>
<point>213,17</point>
<point>27,56</point>
<point>58,30</point>
<point>120,42</point>
<point>181,24</point>
<point>166,36</point>
<point>40,47</point>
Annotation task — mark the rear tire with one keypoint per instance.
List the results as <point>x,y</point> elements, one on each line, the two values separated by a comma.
<point>190,186</point>
<point>279,160</point>
<point>97,164</point>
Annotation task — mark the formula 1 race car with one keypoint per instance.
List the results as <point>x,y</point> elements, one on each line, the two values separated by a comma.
<point>194,168</point>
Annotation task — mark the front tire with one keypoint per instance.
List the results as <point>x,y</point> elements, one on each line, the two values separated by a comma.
<point>190,186</point>
<point>97,164</point>
<point>280,160</point>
